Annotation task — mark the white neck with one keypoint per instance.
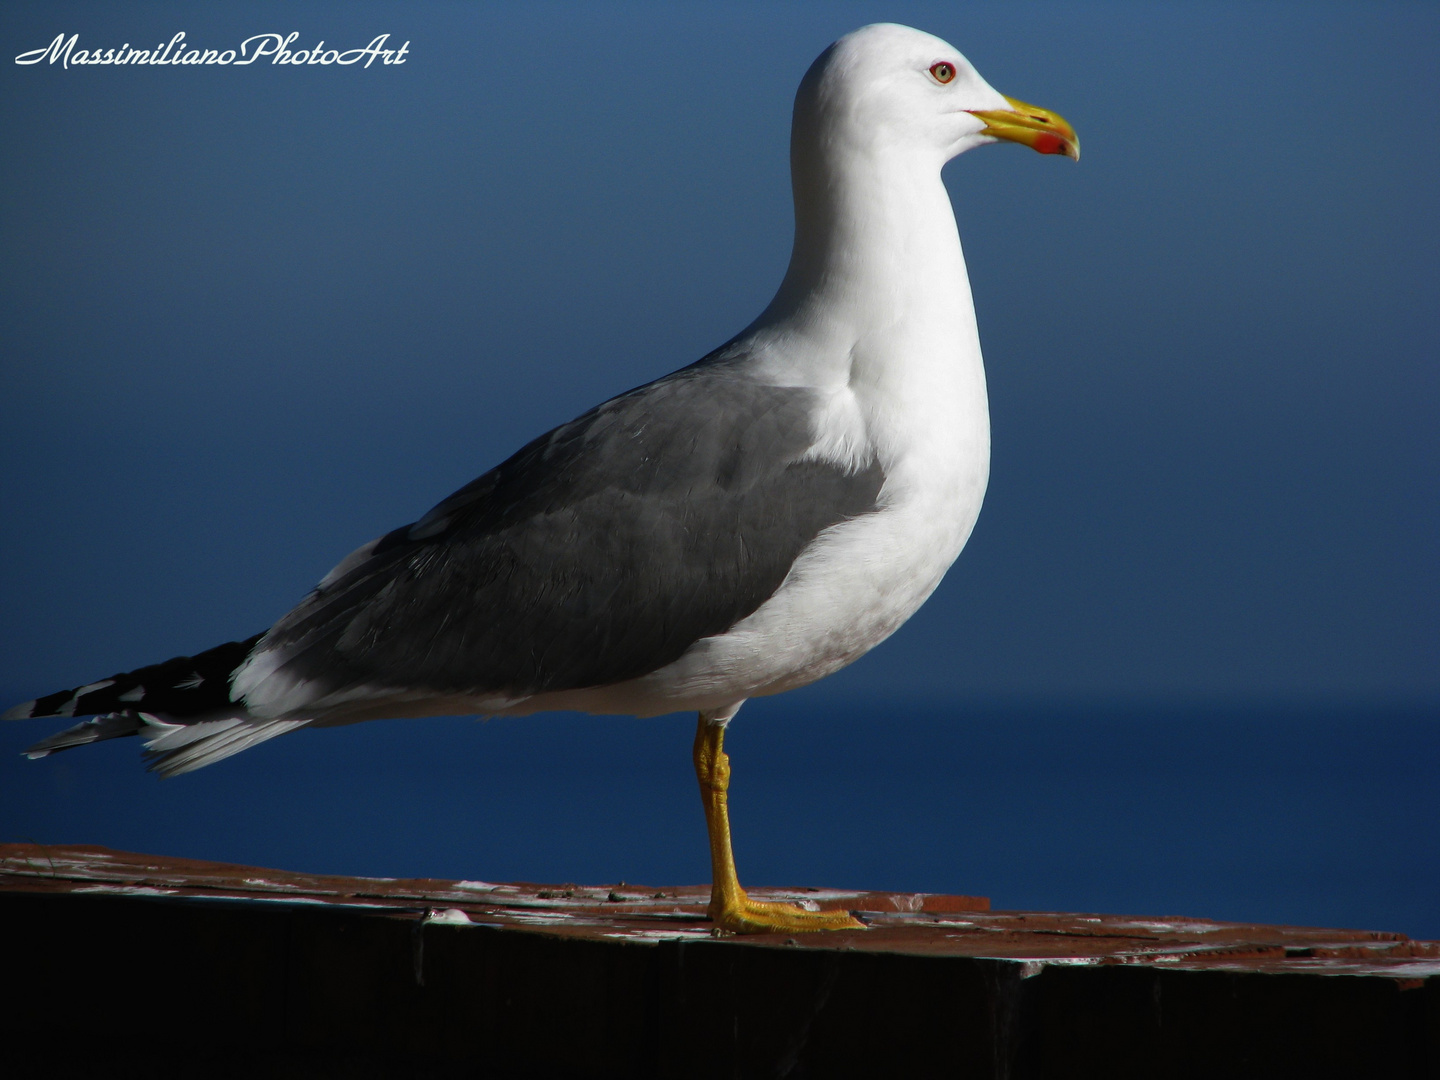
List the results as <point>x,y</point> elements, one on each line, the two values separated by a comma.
<point>875,312</point>
<point>877,256</point>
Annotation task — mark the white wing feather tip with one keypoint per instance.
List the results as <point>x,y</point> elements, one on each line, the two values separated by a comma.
<point>19,712</point>
<point>217,744</point>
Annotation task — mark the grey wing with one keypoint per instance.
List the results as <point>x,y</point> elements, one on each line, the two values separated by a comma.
<point>598,553</point>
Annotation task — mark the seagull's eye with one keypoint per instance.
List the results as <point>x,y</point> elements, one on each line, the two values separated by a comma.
<point>942,71</point>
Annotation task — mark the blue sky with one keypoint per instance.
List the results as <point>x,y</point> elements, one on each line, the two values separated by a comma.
<point>255,316</point>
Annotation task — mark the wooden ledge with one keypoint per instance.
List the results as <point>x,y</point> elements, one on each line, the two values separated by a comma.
<point>240,971</point>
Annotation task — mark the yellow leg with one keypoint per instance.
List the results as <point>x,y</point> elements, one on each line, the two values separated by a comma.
<point>730,908</point>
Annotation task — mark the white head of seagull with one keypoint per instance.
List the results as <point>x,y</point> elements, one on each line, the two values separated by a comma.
<point>893,90</point>
<point>890,93</point>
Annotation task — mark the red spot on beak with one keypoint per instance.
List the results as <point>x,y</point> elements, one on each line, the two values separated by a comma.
<point>1045,143</point>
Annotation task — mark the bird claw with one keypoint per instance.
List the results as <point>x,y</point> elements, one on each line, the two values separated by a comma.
<point>741,915</point>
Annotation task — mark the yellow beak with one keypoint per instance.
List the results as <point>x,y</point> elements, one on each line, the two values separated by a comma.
<point>1040,129</point>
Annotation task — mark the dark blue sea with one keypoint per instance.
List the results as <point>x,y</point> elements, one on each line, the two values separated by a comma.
<point>1321,813</point>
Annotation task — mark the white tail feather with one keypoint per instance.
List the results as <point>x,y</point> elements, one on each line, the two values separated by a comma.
<point>216,743</point>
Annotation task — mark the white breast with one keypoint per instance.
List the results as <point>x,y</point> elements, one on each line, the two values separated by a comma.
<point>860,580</point>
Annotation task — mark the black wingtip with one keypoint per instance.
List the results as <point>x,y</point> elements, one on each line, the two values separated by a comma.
<point>184,686</point>
<point>98,729</point>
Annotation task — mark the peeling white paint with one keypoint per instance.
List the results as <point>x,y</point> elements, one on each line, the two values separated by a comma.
<point>553,918</point>
<point>1030,966</point>
<point>659,935</point>
<point>276,886</point>
<point>127,890</point>
<point>449,917</point>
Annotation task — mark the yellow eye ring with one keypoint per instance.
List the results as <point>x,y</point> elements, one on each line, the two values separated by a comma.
<point>944,71</point>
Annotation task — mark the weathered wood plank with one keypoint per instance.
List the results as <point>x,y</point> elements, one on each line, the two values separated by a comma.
<point>136,965</point>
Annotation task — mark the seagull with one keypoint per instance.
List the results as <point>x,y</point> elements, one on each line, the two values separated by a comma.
<point>743,526</point>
